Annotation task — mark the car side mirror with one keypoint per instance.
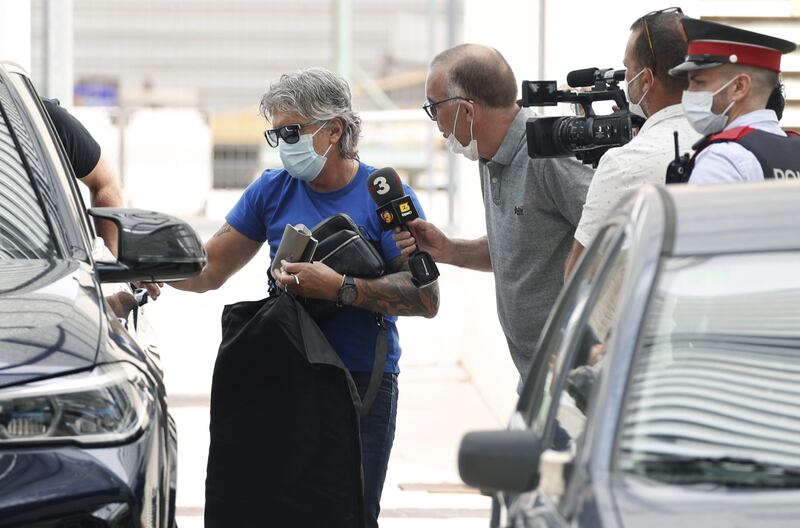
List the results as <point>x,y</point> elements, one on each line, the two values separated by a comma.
<point>151,247</point>
<point>506,460</point>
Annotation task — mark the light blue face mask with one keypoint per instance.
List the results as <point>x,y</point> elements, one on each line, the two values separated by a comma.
<point>300,159</point>
<point>697,108</point>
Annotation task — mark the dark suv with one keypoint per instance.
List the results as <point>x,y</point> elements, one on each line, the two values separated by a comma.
<point>86,439</point>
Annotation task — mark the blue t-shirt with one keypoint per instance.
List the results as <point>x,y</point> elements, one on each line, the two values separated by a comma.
<point>276,199</point>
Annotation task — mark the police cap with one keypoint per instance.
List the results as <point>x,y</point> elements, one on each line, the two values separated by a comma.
<point>712,44</point>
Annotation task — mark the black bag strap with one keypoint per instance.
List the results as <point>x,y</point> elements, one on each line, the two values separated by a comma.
<point>375,378</point>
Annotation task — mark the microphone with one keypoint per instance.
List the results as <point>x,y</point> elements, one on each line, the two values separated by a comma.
<point>584,77</point>
<point>591,76</point>
<point>385,185</point>
<point>395,208</point>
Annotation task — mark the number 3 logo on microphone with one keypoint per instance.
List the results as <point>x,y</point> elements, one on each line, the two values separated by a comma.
<point>381,185</point>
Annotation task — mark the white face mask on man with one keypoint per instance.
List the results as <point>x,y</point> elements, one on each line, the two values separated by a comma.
<point>453,145</point>
<point>636,108</point>
<point>697,108</point>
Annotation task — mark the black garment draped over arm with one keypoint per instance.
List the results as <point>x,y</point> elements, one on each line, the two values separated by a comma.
<point>82,149</point>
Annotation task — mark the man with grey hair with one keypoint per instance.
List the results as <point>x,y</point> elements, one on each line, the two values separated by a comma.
<point>532,205</point>
<point>316,132</point>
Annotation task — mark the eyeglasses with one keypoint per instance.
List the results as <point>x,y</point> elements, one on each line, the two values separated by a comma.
<point>430,107</point>
<point>289,133</point>
<point>647,28</point>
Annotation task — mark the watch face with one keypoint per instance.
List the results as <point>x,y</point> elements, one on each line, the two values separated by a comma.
<point>348,294</point>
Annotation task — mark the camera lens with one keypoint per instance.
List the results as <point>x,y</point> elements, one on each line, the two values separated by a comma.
<point>573,133</point>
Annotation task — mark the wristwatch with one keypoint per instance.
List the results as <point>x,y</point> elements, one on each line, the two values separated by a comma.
<point>348,293</point>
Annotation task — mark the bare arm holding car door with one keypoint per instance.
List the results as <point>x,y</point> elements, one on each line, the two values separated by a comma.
<point>228,251</point>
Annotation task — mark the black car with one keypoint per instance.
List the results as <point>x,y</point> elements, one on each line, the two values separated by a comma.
<point>666,387</point>
<point>86,439</point>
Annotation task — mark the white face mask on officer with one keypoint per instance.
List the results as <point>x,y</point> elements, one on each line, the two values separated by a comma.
<point>697,108</point>
<point>453,145</point>
<point>300,159</point>
<point>636,108</point>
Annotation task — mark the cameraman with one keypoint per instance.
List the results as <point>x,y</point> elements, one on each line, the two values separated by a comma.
<point>532,205</point>
<point>655,45</point>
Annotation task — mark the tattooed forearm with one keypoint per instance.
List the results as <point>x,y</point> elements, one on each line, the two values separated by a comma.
<point>395,294</point>
<point>222,230</point>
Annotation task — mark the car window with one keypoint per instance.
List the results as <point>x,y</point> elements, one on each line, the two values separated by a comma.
<point>24,231</point>
<point>53,151</point>
<point>715,386</point>
<point>590,343</point>
<point>565,330</point>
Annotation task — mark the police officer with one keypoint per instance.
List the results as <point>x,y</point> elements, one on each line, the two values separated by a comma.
<point>735,100</point>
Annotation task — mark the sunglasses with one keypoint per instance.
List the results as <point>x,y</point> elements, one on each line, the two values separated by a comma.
<point>289,133</point>
<point>647,28</point>
<point>430,107</point>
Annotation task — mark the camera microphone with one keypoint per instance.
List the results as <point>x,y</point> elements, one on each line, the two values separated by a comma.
<point>591,76</point>
<point>395,209</point>
<point>584,77</point>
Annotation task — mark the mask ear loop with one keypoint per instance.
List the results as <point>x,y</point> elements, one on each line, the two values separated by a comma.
<point>724,112</point>
<point>455,121</point>
<point>320,128</point>
<point>725,85</point>
<point>471,136</point>
<point>315,133</point>
<point>644,94</point>
<point>636,77</point>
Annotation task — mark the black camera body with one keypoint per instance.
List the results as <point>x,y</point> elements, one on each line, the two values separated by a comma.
<point>586,137</point>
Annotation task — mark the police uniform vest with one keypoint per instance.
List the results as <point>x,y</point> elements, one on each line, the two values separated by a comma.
<point>778,156</point>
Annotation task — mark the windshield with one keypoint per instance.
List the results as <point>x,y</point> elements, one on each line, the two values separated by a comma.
<point>715,391</point>
<point>24,233</point>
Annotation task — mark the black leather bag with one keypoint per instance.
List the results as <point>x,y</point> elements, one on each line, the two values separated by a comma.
<point>342,246</point>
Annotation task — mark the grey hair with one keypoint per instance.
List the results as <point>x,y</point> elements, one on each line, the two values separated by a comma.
<point>478,72</point>
<point>316,94</point>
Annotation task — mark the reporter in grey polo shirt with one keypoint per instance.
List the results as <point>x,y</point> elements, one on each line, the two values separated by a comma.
<point>656,44</point>
<point>532,206</point>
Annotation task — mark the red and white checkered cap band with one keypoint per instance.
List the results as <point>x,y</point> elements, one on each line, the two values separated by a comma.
<point>744,54</point>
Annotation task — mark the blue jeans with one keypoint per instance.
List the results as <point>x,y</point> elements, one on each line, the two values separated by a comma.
<point>377,437</point>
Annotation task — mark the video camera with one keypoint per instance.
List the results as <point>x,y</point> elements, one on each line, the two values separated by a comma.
<point>586,137</point>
